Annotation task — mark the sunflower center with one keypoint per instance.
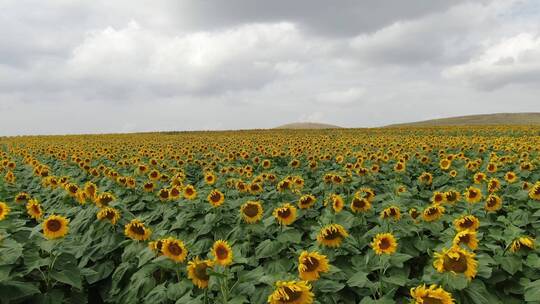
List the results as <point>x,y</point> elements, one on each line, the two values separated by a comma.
<point>251,210</point>
<point>465,239</point>
<point>332,235</point>
<point>290,295</point>
<point>458,265</point>
<point>305,201</point>
<point>109,215</point>
<point>384,244</point>
<point>189,191</point>
<point>492,202</point>
<point>472,194</point>
<point>430,300</point>
<point>466,223</point>
<point>200,272</point>
<point>215,197</point>
<point>284,213</point>
<point>358,203</point>
<point>222,253</point>
<point>175,192</point>
<point>137,229</point>
<point>164,194</point>
<point>311,264</point>
<point>432,211</point>
<point>175,249</point>
<point>54,225</point>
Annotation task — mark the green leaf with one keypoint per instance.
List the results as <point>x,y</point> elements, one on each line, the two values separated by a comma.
<point>532,291</point>
<point>329,286</point>
<point>359,279</point>
<point>13,290</point>
<point>268,248</point>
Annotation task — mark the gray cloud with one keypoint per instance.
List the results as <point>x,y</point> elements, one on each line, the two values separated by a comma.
<point>102,66</point>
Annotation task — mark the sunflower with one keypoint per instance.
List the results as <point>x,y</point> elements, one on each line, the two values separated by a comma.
<point>473,195</point>
<point>210,178</point>
<point>311,265</point>
<point>452,196</point>
<point>453,173</point>
<point>438,197</point>
<point>445,164</point>
<point>414,213</point>
<point>154,175</point>
<point>22,197</point>
<point>148,186</point>
<point>283,185</point>
<point>103,199</point>
<point>534,192</point>
<point>197,272</point>
<point>255,188</point>
<point>510,177</point>
<point>285,214</point>
<point>55,226</point>
<point>479,177</point>
<point>391,212</point>
<point>337,202</point>
<point>215,198</point>
<point>467,222</point>
<point>384,243</point>
<point>306,201</point>
<point>110,214</point>
<point>137,231</point>
<point>400,167</point>
<point>425,178</point>
<point>456,260</point>
<point>332,235</point>
<point>90,189</point>
<point>156,246</point>
<point>4,210</point>
<point>189,192</point>
<point>33,208</point>
<point>174,249</point>
<point>466,237</point>
<point>222,252</point>
<point>360,204</point>
<point>291,292</point>
<point>175,192</point>
<point>431,295</point>
<point>251,211</point>
<point>163,194</point>
<point>522,242</point>
<point>493,203</point>
<point>433,213</point>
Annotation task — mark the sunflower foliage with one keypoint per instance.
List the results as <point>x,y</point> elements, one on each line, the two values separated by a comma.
<point>396,215</point>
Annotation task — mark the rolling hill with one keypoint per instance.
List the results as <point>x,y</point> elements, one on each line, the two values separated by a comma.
<point>307,125</point>
<point>482,119</point>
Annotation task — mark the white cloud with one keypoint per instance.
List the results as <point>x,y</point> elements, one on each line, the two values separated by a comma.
<point>342,97</point>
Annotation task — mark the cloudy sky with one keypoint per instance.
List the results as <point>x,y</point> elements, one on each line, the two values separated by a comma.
<point>69,66</point>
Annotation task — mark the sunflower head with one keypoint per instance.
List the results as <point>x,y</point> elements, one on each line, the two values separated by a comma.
<point>332,235</point>
<point>510,177</point>
<point>384,243</point>
<point>215,198</point>
<point>189,192</point>
<point>90,189</point>
<point>198,272</point>
<point>467,238</point>
<point>285,214</point>
<point>467,222</point>
<point>311,265</point>
<point>251,211</point>
<point>360,204</point>
<point>306,201</point>
<point>4,210</point>
<point>456,260</point>
<point>137,231</point>
<point>452,196</point>
<point>22,197</point>
<point>391,212</point>
<point>433,213</point>
<point>109,214</point>
<point>524,242</point>
<point>33,208</point>
<point>494,185</point>
<point>163,194</point>
<point>473,195</point>
<point>103,199</point>
<point>175,192</point>
<point>337,202</point>
<point>55,226</point>
<point>493,203</point>
<point>222,252</point>
<point>174,249</point>
<point>534,191</point>
<point>438,197</point>
<point>431,295</point>
<point>291,292</point>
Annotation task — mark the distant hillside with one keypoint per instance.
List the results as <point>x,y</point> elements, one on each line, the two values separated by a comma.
<point>483,119</point>
<point>307,125</point>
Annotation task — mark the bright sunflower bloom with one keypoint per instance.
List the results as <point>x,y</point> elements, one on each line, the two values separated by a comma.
<point>189,192</point>
<point>332,235</point>
<point>467,238</point>
<point>494,185</point>
<point>431,295</point>
<point>285,214</point>
<point>174,249</point>
<point>438,197</point>
<point>337,202</point>
<point>197,272</point>
<point>55,226</point>
<point>33,208</point>
<point>103,199</point>
<point>360,204</point>
<point>524,242</point>
<point>534,192</point>
<point>251,212</point>
<point>137,231</point>
<point>452,196</point>
<point>291,292</point>
<point>384,243</point>
<point>110,214</point>
<point>493,203</point>
<point>391,212</point>
<point>306,201</point>
<point>215,198</point>
<point>22,197</point>
<point>433,213</point>
<point>90,189</point>
<point>311,265</point>
<point>510,177</point>
<point>4,210</point>
<point>467,222</point>
<point>222,252</point>
<point>473,195</point>
<point>456,260</point>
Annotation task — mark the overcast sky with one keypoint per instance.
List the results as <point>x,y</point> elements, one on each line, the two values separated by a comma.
<point>128,65</point>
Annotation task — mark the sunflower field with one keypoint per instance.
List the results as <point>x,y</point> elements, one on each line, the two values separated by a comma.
<point>393,215</point>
